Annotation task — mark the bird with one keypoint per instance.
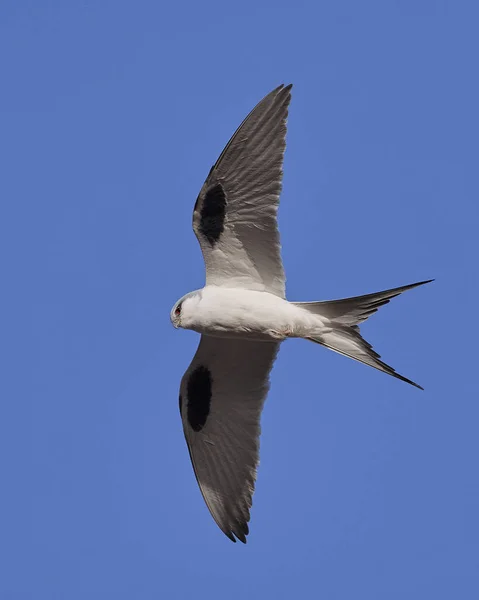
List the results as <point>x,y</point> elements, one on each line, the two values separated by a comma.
<point>243,315</point>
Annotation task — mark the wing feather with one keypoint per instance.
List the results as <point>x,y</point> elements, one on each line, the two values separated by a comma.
<point>224,446</point>
<point>235,215</point>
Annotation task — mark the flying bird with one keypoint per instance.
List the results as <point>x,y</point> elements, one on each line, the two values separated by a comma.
<point>243,316</point>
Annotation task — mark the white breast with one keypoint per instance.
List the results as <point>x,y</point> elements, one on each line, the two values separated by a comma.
<point>231,312</point>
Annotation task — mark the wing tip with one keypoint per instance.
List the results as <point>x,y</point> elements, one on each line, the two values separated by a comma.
<point>230,536</point>
<point>236,535</point>
<point>283,86</point>
<point>282,90</point>
<point>286,89</point>
<point>238,531</point>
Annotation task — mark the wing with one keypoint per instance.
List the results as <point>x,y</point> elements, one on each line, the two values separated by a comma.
<point>221,398</point>
<point>234,217</point>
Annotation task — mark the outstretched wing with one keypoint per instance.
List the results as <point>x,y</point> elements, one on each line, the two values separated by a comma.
<point>221,398</point>
<point>235,213</point>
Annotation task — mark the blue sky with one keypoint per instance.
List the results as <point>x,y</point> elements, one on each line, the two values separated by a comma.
<point>111,114</point>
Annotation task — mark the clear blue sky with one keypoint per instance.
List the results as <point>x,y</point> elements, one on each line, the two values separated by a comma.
<point>111,114</point>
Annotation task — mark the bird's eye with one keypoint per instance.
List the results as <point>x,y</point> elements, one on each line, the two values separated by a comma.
<point>178,310</point>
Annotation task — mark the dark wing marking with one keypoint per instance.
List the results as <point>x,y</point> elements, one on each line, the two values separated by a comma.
<point>212,214</point>
<point>199,397</point>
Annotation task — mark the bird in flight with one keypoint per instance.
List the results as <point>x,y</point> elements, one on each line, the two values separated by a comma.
<point>243,316</point>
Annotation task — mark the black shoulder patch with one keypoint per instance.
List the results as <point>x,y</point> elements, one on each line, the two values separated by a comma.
<point>180,402</point>
<point>199,397</point>
<point>212,215</point>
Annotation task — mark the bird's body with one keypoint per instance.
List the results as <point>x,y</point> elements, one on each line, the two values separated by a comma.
<point>242,314</point>
<point>247,314</point>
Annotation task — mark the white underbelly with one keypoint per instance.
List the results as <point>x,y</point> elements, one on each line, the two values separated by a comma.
<point>245,332</point>
<point>244,314</point>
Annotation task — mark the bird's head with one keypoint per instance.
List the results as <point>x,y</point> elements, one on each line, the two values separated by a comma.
<point>182,313</point>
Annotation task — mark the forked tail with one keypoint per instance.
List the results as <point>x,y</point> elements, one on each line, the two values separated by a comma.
<point>345,316</point>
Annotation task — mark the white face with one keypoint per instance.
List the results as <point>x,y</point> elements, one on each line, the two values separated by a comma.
<point>175,314</point>
<point>183,310</point>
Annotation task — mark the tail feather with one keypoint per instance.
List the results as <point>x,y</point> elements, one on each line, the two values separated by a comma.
<point>352,311</point>
<point>350,343</point>
<point>343,334</point>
